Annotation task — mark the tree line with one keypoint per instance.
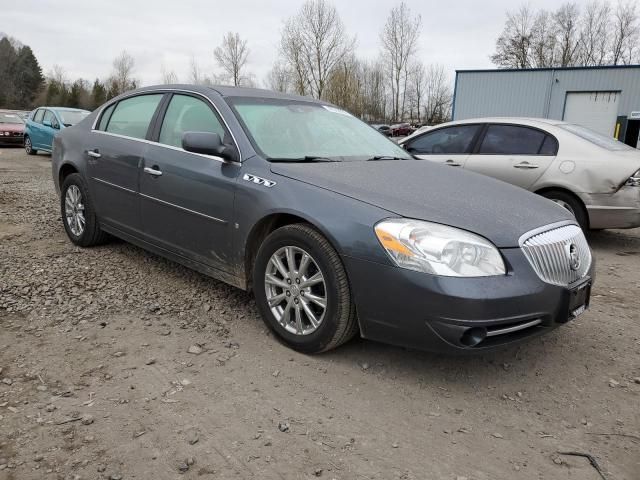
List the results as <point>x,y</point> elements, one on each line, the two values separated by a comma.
<point>599,33</point>
<point>21,77</point>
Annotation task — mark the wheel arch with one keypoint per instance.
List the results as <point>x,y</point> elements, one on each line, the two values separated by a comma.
<point>65,170</point>
<point>566,191</point>
<point>268,224</point>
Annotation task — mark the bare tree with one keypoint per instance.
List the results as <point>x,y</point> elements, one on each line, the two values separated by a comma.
<point>625,35</point>
<point>594,33</point>
<point>399,44</point>
<point>437,95</point>
<point>313,42</point>
<point>232,56</point>
<point>513,47</point>
<point>418,78</point>
<point>567,19</point>
<point>279,78</point>
<point>122,77</point>
<point>543,41</point>
<point>195,75</point>
<point>168,76</point>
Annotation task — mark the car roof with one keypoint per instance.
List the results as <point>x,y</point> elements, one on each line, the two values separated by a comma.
<point>229,91</point>
<point>58,109</point>
<point>532,121</point>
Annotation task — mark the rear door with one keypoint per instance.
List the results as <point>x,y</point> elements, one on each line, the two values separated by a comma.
<point>115,151</point>
<point>187,198</point>
<point>448,145</point>
<point>516,154</point>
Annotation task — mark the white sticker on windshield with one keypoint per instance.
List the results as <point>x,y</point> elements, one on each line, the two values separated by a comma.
<point>337,110</point>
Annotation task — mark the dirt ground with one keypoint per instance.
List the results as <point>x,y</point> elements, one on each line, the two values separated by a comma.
<point>117,364</point>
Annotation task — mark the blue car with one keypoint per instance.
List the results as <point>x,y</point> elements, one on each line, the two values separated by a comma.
<point>44,123</point>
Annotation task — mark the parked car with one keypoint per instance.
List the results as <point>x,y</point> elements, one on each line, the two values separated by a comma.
<point>417,132</point>
<point>595,177</point>
<point>11,128</point>
<point>401,130</point>
<point>384,129</point>
<point>45,123</point>
<point>336,229</point>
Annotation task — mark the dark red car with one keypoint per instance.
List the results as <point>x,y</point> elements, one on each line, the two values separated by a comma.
<point>11,128</point>
<point>401,130</point>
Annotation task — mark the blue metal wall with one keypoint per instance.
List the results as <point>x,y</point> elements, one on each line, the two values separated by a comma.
<point>539,92</point>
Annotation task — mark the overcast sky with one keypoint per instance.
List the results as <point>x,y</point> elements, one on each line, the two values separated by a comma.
<point>83,36</point>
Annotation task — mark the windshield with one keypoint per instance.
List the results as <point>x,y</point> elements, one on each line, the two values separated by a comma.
<point>594,137</point>
<point>10,118</point>
<point>292,129</point>
<point>71,117</point>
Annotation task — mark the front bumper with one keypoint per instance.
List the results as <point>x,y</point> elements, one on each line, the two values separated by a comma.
<point>615,210</point>
<point>443,314</point>
<point>11,140</point>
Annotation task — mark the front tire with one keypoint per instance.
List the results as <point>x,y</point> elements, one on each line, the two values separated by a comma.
<point>302,290</point>
<point>28,147</point>
<point>570,203</point>
<point>78,213</point>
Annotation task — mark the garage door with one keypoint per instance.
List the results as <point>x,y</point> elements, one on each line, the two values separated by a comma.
<point>595,110</point>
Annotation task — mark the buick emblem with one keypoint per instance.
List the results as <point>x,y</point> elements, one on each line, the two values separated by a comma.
<point>574,257</point>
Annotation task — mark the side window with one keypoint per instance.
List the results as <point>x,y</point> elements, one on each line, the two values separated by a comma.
<point>49,117</point>
<point>511,140</point>
<point>188,114</point>
<point>449,140</point>
<point>106,115</point>
<point>549,146</point>
<point>132,116</point>
<point>38,116</point>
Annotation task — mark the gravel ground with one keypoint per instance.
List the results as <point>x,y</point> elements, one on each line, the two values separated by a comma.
<point>117,364</point>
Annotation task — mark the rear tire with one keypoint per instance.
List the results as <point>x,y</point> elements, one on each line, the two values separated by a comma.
<point>569,202</point>
<point>28,147</point>
<point>78,213</point>
<point>307,304</point>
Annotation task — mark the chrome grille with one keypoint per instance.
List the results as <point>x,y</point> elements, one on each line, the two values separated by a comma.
<point>550,254</point>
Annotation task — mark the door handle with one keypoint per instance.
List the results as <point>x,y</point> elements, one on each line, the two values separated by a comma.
<point>526,166</point>
<point>94,153</point>
<point>451,163</point>
<point>153,171</point>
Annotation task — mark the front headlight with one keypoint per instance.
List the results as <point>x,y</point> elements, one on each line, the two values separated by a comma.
<point>437,249</point>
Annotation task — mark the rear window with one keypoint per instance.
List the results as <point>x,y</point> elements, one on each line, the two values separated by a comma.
<point>596,138</point>
<point>132,116</point>
<point>450,140</point>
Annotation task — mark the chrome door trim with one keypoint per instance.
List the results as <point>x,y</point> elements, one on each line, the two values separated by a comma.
<point>170,90</point>
<point>114,185</point>
<point>188,210</point>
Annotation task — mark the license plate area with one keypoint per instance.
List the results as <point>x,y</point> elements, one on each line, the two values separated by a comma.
<point>579,299</point>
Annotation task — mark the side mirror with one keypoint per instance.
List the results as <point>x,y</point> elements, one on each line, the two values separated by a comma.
<point>55,125</point>
<point>208,143</point>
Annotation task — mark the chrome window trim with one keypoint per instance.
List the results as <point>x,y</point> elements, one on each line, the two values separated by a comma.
<point>218,220</point>
<point>163,91</point>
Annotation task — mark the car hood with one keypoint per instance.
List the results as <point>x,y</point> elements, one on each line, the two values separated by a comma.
<point>12,127</point>
<point>425,190</point>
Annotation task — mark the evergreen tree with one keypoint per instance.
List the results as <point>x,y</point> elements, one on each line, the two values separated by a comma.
<point>7,72</point>
<point>98,94</point>
<point>28,79</point>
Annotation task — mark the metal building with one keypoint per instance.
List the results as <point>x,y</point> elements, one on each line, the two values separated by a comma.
<point>605,99</point>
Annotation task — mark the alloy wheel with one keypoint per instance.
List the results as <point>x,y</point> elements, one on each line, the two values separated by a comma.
<point>74,210</point>
<point>296,290</point>
<point>27,145</point>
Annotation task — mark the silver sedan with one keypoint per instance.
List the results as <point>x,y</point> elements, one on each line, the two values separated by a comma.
<point>595,177</point>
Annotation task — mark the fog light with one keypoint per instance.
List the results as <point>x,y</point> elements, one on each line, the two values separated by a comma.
<point>473,336</point>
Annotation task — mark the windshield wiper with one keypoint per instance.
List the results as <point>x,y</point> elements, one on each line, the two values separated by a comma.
<point>386,157</point>
<point>306,158</point>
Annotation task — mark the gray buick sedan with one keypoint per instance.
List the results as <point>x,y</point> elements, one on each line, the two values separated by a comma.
<point>336,229</point>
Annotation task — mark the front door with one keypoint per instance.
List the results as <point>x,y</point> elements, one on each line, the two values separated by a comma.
<point>515,154</point>
<point>47,130</point>
<point>187,198</point>
<point>114,158</point>
<point>449,145</point>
